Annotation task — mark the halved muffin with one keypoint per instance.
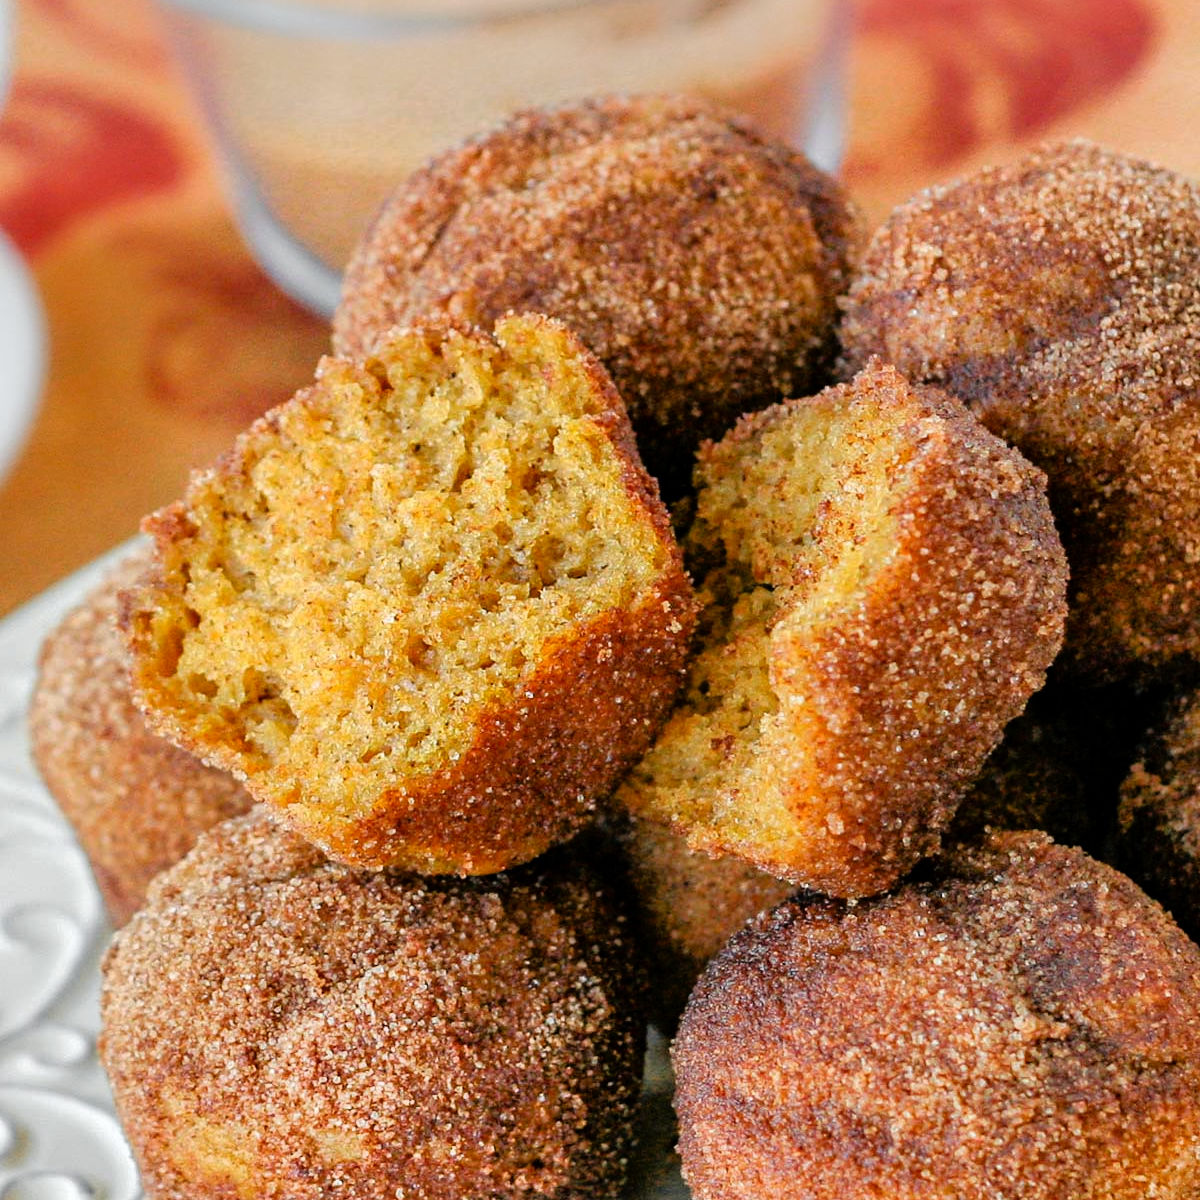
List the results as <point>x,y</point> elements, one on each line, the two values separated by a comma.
<point>884,590</point>
<point>430,608</point>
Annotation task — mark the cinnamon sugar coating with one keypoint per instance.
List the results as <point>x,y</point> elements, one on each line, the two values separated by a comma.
<point>884,590</point>
<point>1059,296</point>
<point>1022,1023</point>
<point>1159,817</point>
<point>430,609</point>
<point>700,262</point>
<point>275,1025</point>
<point>136,802</point>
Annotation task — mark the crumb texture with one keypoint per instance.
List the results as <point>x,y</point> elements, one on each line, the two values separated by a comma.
<point>279,1026</point>
<point>136,802</point>
<point>883,591</point>
<point>700,262</point>
<point>1021,1024</point>
<point>428,608</point>
<point>1059,296</point>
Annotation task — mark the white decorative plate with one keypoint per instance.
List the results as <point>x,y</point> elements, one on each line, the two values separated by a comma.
<point>58,1135</point>
<point>59,1139</point>
<point>23,347</point>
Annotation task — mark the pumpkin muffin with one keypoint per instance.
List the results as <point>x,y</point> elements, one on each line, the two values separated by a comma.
<point>1059,297</point>
<point>1159,817</point>
<point>883,591</point>
<point>136,802</point>
<point>701,262</point>
<point>276,1025</point>
<point>1019,1023</point>
<point>430,609</point>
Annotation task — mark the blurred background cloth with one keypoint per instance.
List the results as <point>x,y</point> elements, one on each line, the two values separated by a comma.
<point>165,338</point>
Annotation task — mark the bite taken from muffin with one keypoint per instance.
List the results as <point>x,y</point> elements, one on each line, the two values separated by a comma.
<point>701,262</point>
<point>276,1025</point>
<point>883,591</point>
<point>430,609</point>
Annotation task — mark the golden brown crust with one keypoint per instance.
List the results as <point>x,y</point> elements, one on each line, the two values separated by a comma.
<point>535,761</point>
<point>276,1025</point>
<point>1159,817</point>
<point>963,624</point>
<point>1023,1022</point>
<point>890,698</point>
<point>1059,296</point>
<point>136,802</point>
<point>700,262</point>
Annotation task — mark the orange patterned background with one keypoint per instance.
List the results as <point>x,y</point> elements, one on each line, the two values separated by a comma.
<point>165,338</point>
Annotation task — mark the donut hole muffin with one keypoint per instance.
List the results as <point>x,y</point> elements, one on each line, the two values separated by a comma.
<point>701,262</point>
<point>1016,1021</point>
<point>136,802</point>
<point>1059,297</point>
<point>884,591</point>
<point>374,606</point>
<point>277,1025</point>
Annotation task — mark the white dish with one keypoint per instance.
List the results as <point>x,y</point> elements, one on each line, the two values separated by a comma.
<point>23,347</point>
<point>59,1139</point>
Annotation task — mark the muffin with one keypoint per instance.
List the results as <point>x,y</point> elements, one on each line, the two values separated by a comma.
<point>136,803</point>
<point>1020,1022</point>
<point>277,1025</point>
<point>430,609</point>
<point>883,591</point>
<point>701,262</point>
<point>1059,297</point>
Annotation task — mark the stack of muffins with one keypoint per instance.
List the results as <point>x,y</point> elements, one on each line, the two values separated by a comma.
<point>425,734</point>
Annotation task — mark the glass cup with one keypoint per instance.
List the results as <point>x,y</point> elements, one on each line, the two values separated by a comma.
<point>320,107</point>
